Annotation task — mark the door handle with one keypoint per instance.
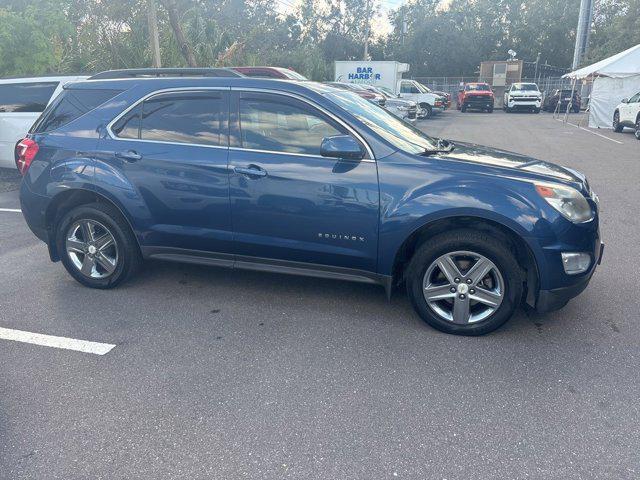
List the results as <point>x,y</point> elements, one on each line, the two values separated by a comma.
<point>129,155</point>
<point>251,170</point>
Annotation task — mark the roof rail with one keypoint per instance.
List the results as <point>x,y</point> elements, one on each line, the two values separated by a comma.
<point>165,72</point>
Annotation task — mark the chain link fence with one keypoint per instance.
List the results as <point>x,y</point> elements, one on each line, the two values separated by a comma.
<point>547,85</point>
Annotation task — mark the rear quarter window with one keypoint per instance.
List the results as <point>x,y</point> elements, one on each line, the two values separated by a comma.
<point>70,105</point>
<point>26,97</point>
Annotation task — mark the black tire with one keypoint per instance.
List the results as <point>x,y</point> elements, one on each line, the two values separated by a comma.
<point>465,240</point>
<point>637,129</point>
<point>128,258</point>
<point>490,110</point>
<point>536,110</point>
<point>463,108</point>
<point>427,109</point>
<point>617,126</point>
<point>575,108</point>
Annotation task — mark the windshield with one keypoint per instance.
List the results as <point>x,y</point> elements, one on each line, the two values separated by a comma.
<point>523,87</point>
<point>293,75</point>
<point>387,92</point>
<point>422,88</point>
<point>400,134</point>
<point>483,87</point>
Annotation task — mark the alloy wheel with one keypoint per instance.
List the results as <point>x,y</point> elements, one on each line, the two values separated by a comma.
<point>463,287</point>
<point>638,129</point>
<point>92,248</point>
<point>616,120</point>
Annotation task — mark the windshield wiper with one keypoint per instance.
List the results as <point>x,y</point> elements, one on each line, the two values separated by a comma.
<point>442,146</point>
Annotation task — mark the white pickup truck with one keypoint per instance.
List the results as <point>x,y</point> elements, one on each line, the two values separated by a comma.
<point>523,96</point>
<point>389,75</point>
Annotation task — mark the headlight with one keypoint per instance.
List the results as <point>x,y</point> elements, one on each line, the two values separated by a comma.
<point>402,109</point>
<point>568,201</point>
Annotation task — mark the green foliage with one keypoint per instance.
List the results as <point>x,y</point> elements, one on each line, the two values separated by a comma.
<point>73,36</point>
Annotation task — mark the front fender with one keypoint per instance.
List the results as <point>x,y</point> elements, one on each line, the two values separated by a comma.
<point>431,202</point>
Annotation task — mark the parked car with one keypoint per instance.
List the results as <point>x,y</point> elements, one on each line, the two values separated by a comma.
<point>627,114</point>
<point>374,97</point>
<point>302,178</point>
<point>564,97</point>
<point>446,98</point>
<point>522,96</point>
<point>428,101</point>
<point>478,96</point>
<point>22,100</point>
<point>270,72</point>
<point>403,109</point>
<point>388,74</point>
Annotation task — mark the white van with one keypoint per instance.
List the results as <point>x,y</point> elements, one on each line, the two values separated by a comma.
<point>388,74</point>
<point>22,100</point>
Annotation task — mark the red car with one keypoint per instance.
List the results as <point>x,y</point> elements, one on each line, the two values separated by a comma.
<point>269,72</point>
<point>476,95</point>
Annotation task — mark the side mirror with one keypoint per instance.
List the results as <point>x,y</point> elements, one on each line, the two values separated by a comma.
<point>341,146</point>
<point>625,100</point>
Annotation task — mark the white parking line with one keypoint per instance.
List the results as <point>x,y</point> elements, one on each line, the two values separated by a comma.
<point>55,342</point>
<point>589,131</point>
<point>13,210</point>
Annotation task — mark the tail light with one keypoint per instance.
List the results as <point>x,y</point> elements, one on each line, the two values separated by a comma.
<point>26,151</point>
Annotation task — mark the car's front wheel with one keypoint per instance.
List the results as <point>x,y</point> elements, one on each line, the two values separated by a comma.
<point>464,282</point>
<point>638,128</point>
<point>97,246</point>
<point>617,126</point>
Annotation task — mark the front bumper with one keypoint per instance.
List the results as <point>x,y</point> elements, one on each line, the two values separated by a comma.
<point>479,101</point>
<point>549,300</point>
<point>528,104</point>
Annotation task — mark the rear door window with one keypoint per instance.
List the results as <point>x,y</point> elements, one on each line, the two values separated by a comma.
<point>70,105</point>
<point>186,117</point>
<point>177,117</point>
<point>26,97</point>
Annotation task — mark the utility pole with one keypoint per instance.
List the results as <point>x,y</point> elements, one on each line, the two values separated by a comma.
<point>582,32</point>
<point>154,40</point>
<point>367,30</point>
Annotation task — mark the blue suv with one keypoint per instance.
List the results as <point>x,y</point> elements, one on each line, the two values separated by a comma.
<point>301,178</point>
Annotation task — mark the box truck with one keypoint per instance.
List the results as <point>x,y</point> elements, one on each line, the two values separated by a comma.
<point>388,75</point>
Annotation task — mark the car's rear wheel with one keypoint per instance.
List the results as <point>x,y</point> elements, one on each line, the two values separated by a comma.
<point>617,126</point>
<point>97,246</point>
<point>464,282</point>
<point>637,132</point>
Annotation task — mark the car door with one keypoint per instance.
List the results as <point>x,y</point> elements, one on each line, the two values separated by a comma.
<point>290,204</point>
<point>171,150</point>
<point>408,90</point>
<point>630,110</point>
<point>635,108</point>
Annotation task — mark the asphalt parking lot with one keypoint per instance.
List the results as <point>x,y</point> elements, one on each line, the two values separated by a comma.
<point>234,374</point>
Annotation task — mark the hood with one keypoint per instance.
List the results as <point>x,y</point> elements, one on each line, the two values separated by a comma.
<point>525,93</point>
<point>476,93</point>
<point>517,163</point>
<point>396,102</point>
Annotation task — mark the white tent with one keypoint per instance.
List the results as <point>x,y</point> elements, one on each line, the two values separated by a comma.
<point>614,78</point>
